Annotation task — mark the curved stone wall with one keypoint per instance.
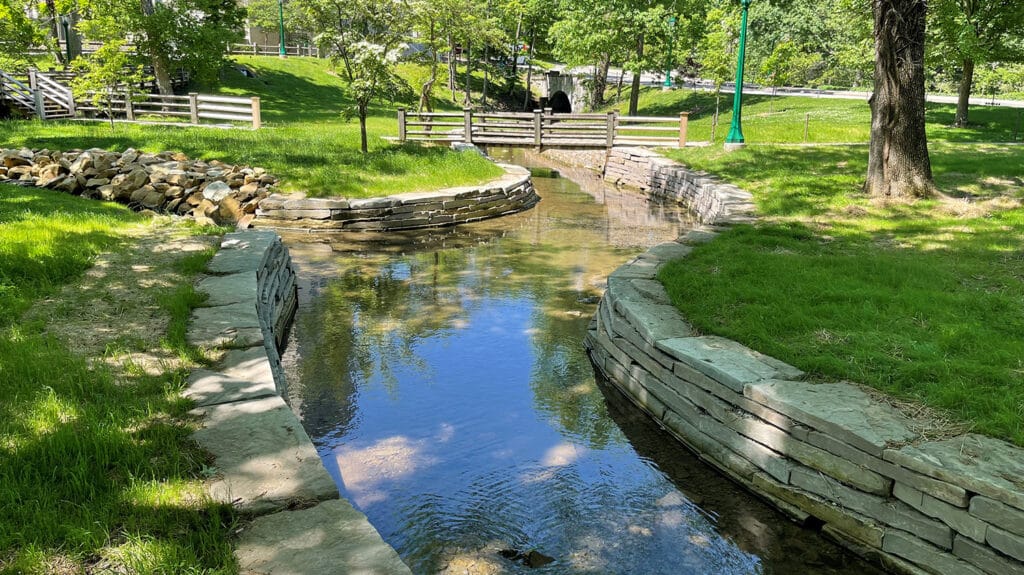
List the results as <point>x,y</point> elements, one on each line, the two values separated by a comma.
<point>266,465</point>
<point>507,195</point>
<point>834,455</point>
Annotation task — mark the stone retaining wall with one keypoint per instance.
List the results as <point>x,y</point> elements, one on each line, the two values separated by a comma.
<point>710,199</point>
<point>266,464</point>
<point>209,192</point>
<point>834,452</point>
<point>507,195</point>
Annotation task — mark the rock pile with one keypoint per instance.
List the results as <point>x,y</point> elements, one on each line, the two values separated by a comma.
<point>209,192</point>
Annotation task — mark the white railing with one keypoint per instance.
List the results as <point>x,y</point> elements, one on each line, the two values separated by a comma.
<point>273,50</point>
<point>14,89</point>
<point>196,109</point>
<point>53,92</point>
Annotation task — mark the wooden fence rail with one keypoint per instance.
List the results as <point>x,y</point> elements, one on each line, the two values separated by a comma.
<point>273,50</point>
<point>195,107</point>
<point>542,128</point>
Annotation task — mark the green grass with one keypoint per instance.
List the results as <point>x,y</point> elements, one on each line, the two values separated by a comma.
<point>93,471</point>
<point>922,300</point>
<point>306,141</point>
<point>780,120</point>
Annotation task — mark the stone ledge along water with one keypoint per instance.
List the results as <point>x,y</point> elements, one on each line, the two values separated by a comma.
<point>828,450</point>
<point>266,465</point>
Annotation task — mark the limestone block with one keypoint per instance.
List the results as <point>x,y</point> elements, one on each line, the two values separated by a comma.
<point>241,251</point>
<point>959,519</point>
<point>842,410</point>
<point>1006,542</point>
<point>371,203</point>
<point>234,325</point>
<point>890,512</point>
<point>984,465</point>
<point>327,539</point>
<point>670,251</point>
<point>228,289</point>
<point>985,558</point>
<point>998,514</point>
<point>725,361</point>
<point>935,560</point>
<point>265,460</point>
<point>209,388</point>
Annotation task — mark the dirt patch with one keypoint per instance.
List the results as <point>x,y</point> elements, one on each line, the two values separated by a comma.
<point>113,313</point>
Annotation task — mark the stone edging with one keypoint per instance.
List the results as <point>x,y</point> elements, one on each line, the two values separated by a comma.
<point>508,194</point>
<point>827,454</point>
<point>266,465</point>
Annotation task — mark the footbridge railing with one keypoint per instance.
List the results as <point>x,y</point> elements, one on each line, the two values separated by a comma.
<point>543,129</point>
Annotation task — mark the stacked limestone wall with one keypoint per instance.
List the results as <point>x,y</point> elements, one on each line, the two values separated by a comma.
<point>830,454</point>
<point>507,195</point>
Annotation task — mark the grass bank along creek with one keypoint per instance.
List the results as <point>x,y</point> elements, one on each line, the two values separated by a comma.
<point>443,379</point>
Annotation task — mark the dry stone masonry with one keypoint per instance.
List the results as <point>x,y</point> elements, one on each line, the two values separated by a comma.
<point>210,192</point>
<point>266,465</point>
<point>828,451</point>
<point>509,194</point>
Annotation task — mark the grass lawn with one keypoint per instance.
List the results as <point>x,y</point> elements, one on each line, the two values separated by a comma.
<point>923,300</point>
<point>778,120</point>
<point>306,141</point>
<point>96,470</point>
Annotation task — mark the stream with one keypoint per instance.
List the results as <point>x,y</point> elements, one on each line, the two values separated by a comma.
<point>442,376</point>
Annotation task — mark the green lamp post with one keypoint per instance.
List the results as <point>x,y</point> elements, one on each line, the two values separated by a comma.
<point>735,137</point>
<point>671,48</point>
<point>65,22</point>
<point>280,24</point>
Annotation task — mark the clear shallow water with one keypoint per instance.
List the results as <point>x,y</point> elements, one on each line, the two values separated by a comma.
<point>443,379</point>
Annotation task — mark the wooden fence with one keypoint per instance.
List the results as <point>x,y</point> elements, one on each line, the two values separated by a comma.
<point>273,50</point>
<point>193,108</point>
<point>543,128</point>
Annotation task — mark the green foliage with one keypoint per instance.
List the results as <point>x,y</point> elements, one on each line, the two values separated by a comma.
<point>106,75</point>
<point>919,300</point>
<point>18,33</point>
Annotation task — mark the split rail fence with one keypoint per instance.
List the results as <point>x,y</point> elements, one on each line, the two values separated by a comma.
<point>543,129</point>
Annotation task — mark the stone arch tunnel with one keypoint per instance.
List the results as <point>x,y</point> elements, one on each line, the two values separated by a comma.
<point>559,103</point>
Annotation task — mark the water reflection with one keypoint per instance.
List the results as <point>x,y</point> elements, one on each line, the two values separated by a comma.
<point>444,381</point>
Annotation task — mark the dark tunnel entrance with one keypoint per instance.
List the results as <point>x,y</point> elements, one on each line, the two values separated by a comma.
<point>560,103</point>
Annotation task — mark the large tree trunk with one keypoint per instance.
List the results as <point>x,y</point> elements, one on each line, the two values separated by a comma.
<point>468,99</point>
<point>515,57</point>
<point>898,162</point>
<point>529,69</point>
<point>634,94</point>
<point>163,76</point>
<point>963,101</point>
<point>600,81</point>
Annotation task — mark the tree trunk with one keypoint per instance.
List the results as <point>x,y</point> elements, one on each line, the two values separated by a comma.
<point>618,87</point>
<point>515,58</point>
<point>898,162</point>
<point>600,81</point>
<point>427,89</point>
<point>468,100</point>
<point>634,94</point>
<point>362,128</point>
<point>51,11</point>
<point>163,76</point>
<point>451,66</point>
<point>963,101</point>
<point>529,69</point>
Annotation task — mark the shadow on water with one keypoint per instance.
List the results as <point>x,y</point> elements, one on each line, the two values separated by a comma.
<point>443,379</point>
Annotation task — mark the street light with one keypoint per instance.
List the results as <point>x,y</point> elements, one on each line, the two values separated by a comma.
<point>671,48</point>
<point>735,138</point>
<point>280,24</point>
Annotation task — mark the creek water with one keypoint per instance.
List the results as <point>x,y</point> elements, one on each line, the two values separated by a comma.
<point>443,379</point>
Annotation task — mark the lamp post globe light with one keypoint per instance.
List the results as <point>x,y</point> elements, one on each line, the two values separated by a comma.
<point>735,138</point>
<point>280,25</point>
<point>671,48</point>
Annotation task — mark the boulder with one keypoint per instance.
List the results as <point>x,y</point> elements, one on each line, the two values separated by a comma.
<point>216,191</point>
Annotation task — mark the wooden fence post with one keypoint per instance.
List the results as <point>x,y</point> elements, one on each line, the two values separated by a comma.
<point>257,119</point>
<point>37,97</point>
<point>610,127</point>
<point>32,78</point>
<point>538,123</point>
<point>467,117</point>
<point>684,124</point>
<point>193,107</point>
<point>807,122</point>
<point>401,124</point>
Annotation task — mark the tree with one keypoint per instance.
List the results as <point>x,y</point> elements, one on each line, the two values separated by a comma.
<point>976,32</point>
<point>716,52</point>
<point>105,76</point>
<point>188,34</point>
<point>18,34</point>
<point>786,65</point>
<point>373,76</point>
<point>898,161</point>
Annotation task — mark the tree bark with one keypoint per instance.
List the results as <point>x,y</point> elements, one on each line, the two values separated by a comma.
<point>600,81</point>
<point>898,161</point>
<point>634,93</point>
<point>162,75</point>
<point>362,129</point>
<point>468,100</point>
<point>963,101</point>
<point>451,65</point>
<point>529,69</point>
<point>515,58</point>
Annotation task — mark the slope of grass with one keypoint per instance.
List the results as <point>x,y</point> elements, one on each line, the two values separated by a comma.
<point>922,300</point>
<point>781,120</point>
<point>95,472</point>
<point>307,141</point>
